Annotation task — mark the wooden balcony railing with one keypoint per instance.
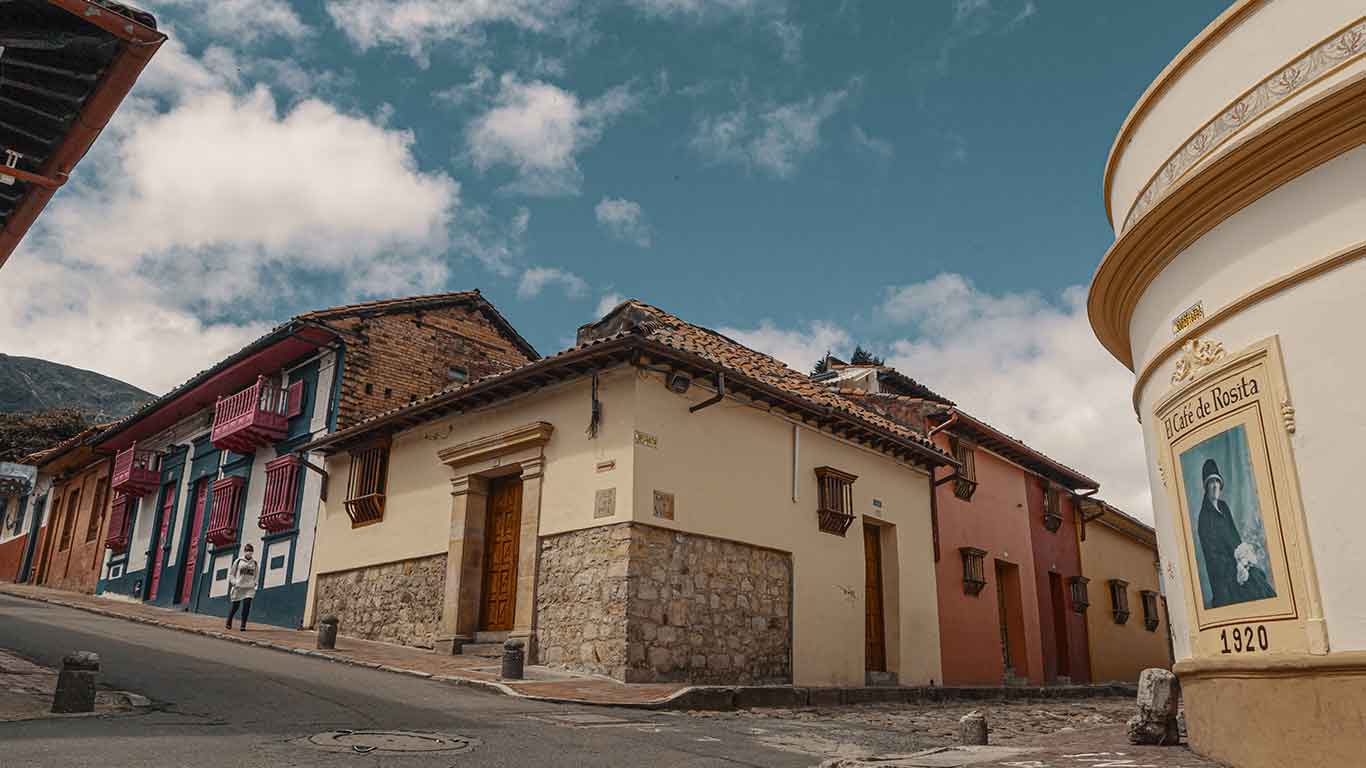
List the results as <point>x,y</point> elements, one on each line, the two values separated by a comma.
<point>282,482</point>
<point>227,505</point>
<point>135,471</point>
<point>119,512</point>
<point>251,418</point>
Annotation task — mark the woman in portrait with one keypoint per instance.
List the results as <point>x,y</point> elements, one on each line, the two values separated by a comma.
<point>1219,539</point>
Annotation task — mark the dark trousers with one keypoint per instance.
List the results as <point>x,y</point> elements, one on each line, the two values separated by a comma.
<point>245,605</point>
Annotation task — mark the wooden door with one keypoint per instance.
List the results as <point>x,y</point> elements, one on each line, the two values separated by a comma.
<point>187,571</point>
<point>502,536</point>
<point>1064,660</point>
<point>1003,617</point>
<point>167,507</point>
<point>875,647</point>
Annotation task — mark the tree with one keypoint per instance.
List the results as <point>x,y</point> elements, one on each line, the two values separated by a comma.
<point>25,433</point>
<point>862,356</point>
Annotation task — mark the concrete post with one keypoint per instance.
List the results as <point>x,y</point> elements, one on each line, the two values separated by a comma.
<point>972,729</point>
<point>76,683</point>
<point>327,633</point>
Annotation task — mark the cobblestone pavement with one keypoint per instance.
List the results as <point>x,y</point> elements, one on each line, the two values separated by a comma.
<point>1048,734</point>
<point>26,691</point>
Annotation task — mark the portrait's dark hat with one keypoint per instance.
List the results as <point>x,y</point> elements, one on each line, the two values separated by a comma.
<point>1211,472</point>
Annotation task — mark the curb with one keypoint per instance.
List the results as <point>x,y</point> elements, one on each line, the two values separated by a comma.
<point>696,697</point>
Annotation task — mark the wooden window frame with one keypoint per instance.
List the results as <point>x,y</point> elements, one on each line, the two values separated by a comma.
<point>92,528</point>
<point>1151,615</point>
<point>835,500</point>
<point>974,570</point>
<point>367,484</point>
<point>965,480</point>
<point>1119,600</point>
<point>1052,507</point>
<point>73,511</point>
<point>1080,599</point>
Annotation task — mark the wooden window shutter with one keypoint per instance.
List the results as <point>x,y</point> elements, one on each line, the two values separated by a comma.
<point>296,400</point>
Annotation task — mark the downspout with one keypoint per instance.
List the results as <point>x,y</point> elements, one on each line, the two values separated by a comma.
<point>1081,516</point>
<point>796,461</point>
<point>953,419</point>
<point>714,399</point>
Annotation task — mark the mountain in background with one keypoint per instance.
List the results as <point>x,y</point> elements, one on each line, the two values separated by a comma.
<point>30,385</point>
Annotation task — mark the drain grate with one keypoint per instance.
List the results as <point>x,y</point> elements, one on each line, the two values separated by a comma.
<point>391,742</point>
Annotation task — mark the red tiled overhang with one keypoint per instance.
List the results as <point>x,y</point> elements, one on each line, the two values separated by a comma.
<point>231,378</point>
<point>989,437</point>
<point>137,43</point>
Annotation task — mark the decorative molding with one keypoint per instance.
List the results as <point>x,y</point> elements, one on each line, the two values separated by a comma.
<point>1265,291</point>
<point>1197,355</point>
<point>1162,474</point>
<point>533,435</point>
<point>440,434</point>
<point>1288,415</point>
<point>1328,56</point>
<point>1323,128</point>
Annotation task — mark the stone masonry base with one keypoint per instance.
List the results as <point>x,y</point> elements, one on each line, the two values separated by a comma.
<point>393,603</point>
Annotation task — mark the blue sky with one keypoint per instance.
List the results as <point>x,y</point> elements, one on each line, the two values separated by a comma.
<point>922,177</point>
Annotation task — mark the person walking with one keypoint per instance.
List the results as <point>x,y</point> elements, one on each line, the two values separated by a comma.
<point>242,585</point>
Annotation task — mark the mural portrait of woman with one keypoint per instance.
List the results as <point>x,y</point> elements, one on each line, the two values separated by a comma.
<point>1226,518</point>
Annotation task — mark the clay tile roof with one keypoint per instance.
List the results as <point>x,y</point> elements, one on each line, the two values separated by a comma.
<point>56,451</point>
<point>637,323</point>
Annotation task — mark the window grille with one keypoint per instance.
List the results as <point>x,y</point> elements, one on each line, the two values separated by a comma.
<point>92,530</point>
<point>965,484</point>
<point>1052,508</point>
<point>365,489</point>
<point>1080,601</point>
<point>69,521</point>
<point>1150,614</point>
<point>974,569</point>
<point>835,512</point>
<point>1119,600</point>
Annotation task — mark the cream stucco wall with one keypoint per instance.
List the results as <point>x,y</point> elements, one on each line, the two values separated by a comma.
<point>1121,651</point>
<point>417,515</point>
<point>1260,44</point>
<point>730,468</point>
<point>1318,322</point>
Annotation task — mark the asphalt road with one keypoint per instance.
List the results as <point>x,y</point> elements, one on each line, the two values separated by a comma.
<point>225,704</point>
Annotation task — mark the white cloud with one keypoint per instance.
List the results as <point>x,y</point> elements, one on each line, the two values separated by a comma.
<point>415,26</point>
<point>880,147</point>
<point>799,349</point>
<point>245,21</point>
<point>697,7</point>
<point>539,129</point>
<point>458,95</point>
<point>624,220</point>
<point>607,303</point>
<point>1031,368</point>
<point>537,279</point>
<point>789,39</point>
<point>772,139</point>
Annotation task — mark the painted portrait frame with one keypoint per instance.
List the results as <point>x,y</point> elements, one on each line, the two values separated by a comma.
<point>1243,396</point>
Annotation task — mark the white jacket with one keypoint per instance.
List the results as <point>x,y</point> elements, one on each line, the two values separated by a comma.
<point>242,578</point>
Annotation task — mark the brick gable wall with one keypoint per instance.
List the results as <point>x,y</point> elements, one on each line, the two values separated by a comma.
<point>400,356</point>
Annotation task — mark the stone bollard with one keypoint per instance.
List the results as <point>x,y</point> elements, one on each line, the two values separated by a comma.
<point>327,633</point>
<point>76,683</point>
<point>972,729</point>
<point>514,657</point>
<point>1159,699</point>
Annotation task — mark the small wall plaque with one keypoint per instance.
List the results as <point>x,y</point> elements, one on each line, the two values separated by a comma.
<point>607,466</point>
<point>1194,314</point>
<point>664,505</point>
<point>605,504</point>
<point>646,439</point>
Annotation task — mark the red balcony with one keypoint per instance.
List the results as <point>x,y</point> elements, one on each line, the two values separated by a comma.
<point>251,418</point>
<point>135,472</point>
<point>282,479</point>
<point>227,503</point>
<point>117,538</point>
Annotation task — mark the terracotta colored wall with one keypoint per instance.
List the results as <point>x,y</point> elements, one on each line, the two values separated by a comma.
<point>1121,651</point>
<point>995,520</point>
<point>406,354</point>
<point>77,567</point>
<point>11,556</point>
<point>1058,551</point>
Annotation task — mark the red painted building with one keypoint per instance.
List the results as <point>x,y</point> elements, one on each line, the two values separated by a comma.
<point>1006,547</point>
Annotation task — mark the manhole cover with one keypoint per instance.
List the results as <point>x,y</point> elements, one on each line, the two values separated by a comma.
<point>381,742</point>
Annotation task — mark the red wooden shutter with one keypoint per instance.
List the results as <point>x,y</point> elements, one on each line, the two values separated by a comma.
<point>296,399</point>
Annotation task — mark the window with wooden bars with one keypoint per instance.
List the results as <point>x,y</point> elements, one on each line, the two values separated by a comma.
<point>835,511</point>
<point>1080,600</point>
<point>1052,507</point>
<point>1119,600</point>
<point>69,521</point>
<point>1151,617</point>
<point>974,569</point>
<point>92,529</point>
<point>365,488</point>
<point>965,483</point>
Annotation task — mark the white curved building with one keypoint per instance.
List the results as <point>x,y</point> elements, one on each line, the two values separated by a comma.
<point>1236,292</point>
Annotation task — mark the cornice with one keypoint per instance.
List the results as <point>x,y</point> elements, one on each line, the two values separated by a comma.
<point>1257,163</point>
<point>533,435</point>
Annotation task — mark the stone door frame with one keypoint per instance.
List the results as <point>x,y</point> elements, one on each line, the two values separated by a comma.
<point>518,452</point>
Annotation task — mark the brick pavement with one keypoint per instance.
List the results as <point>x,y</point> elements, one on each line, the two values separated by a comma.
<point>541,683</point>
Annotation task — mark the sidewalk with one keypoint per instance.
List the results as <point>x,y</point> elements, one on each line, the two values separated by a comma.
<point>542,684</point>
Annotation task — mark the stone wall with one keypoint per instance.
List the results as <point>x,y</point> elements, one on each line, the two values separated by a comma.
<point>581,600</point>
<point>646,604</point>
<point>395,602</point>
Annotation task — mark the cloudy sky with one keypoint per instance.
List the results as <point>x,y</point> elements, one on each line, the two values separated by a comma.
<point>918,176</point>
